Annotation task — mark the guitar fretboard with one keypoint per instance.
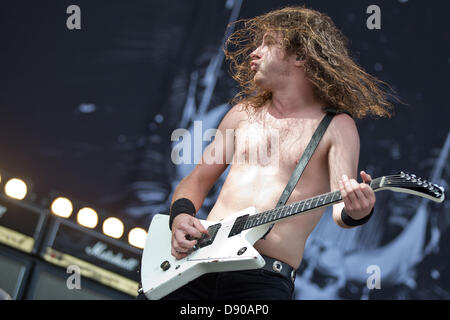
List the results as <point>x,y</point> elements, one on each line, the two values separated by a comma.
<point>247,222</point>
<point>291,209</point>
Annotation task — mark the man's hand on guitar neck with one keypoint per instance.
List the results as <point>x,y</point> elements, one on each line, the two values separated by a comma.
<point>359,198</point>
<point>184,228</point>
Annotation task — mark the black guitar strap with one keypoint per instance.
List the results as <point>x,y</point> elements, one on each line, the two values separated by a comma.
<point>306,156</point>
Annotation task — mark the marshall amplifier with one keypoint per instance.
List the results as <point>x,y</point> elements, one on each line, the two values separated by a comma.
<point>109,261</point>
<point>50,282</point>
<point>15,268</point>
<point>21,224</point>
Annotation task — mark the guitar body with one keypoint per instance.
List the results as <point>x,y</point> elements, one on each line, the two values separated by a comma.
<point>162,273</point>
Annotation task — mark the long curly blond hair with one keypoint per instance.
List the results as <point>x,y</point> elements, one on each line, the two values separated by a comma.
<point>337,80</point>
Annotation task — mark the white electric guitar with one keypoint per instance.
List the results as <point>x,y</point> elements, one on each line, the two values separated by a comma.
<point>229,245</point>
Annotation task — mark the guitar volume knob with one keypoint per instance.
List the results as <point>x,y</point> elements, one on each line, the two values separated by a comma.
<point>165,265</point>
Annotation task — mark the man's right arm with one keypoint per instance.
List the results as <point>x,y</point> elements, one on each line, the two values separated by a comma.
<point>199,182</point>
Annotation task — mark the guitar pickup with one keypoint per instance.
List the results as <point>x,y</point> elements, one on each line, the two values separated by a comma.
<point>238,225</point>
<point>206,240</point>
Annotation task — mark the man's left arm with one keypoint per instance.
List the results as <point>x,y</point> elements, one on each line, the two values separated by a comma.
<point>343,157</point>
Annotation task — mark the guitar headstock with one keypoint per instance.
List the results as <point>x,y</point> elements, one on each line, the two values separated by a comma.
<point>410,183</point>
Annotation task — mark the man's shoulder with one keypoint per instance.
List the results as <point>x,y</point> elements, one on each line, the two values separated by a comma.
<point>234,115</point>
<point>343,120</point>
<point>343,127</point>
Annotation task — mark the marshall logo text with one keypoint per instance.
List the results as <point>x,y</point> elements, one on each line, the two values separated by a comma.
<point>100,251</point>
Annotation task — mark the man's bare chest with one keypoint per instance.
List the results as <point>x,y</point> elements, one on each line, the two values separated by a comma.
<point>280,143</point>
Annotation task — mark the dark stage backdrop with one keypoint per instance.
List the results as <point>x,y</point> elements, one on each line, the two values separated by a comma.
<point>91,112</point>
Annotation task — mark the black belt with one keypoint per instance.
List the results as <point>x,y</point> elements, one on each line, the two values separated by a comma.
<point>279,267</point>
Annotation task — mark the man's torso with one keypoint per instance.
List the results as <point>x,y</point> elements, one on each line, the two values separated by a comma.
<point>267,150</point>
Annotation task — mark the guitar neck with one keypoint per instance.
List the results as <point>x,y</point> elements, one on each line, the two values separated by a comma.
<point>297,208</point>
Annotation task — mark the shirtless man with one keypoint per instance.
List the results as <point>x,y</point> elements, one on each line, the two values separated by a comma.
<point>287,92</point>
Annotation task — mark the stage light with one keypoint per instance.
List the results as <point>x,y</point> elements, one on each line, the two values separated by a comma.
<point>87,217</point>
<point>137,237</point>
<point>113,227</point>
<point>16,188</point>
<point>62,207</point>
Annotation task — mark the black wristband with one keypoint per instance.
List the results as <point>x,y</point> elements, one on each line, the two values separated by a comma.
<point>349,221</point>
<point>180,206</point>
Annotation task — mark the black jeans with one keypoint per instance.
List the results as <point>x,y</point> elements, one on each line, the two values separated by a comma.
<point>254,284</point>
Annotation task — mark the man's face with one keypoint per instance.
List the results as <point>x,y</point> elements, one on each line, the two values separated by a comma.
<point>270,62</point>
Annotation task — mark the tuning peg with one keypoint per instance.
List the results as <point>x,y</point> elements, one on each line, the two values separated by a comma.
<point>437,186</point>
